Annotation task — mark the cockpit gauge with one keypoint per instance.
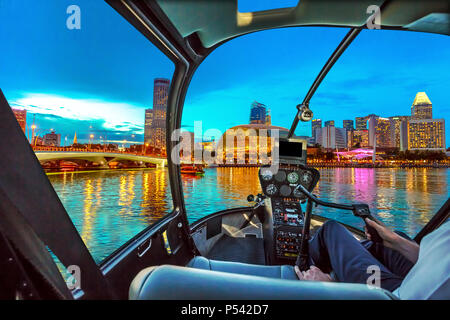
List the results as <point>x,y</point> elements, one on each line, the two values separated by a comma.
<point>271,189</point>
<point>293,177</point>
<point>285,190</point>
<point>267,175</point>
<point>306,178</point>
<point>280,176</point>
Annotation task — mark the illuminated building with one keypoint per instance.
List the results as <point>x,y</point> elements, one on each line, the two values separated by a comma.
<point>329,123</point>
<point>358,137</point>
<point>268,118</point>
<point>257,113</point>
<point>361,123</point>
<point>160,97</point>
<point>52,139</point>
<point>348,125</point>
<point>250,143</point>
<point>330,137</point>
<point>148,126</point>
<point>421,107</point>
<point>380,131</point>
<point>316,123</point>
<point>396,129</point>
<point>21,116</point>
<point>426,134</point>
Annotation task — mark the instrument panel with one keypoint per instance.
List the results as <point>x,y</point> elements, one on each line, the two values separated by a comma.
<point>283,183</point>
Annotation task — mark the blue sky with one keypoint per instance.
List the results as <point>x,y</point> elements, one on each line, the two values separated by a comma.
<point>99,80</point>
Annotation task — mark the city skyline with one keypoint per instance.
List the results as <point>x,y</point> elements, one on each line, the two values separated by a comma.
<point>53,78</point>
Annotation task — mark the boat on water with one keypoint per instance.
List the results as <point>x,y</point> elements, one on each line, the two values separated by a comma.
<point>239,253</point>
<point>192,170</point>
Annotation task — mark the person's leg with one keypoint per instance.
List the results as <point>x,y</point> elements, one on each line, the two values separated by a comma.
<point>392,259</point>
<point>334,248</point>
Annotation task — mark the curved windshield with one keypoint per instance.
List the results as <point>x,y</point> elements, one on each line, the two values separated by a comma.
<point>90,93</point>
<point>367,136</point>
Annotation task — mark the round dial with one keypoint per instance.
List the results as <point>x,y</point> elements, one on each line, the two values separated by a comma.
<point>271,189</point>
<point>280,176</point>
<point>285,190</point>
<point>266,175</point>
<point>292,177</point>
<point>306,178</point>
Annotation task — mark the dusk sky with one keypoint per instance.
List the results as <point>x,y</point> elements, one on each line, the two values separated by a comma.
<point>99,80</point>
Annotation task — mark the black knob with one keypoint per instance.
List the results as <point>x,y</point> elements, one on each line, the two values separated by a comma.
<point>250,198</point>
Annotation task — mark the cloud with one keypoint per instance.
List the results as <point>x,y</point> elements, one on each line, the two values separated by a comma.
<point>113,115</point>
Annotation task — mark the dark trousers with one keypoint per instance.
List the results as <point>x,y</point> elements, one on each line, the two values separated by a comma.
<point>334,248</point>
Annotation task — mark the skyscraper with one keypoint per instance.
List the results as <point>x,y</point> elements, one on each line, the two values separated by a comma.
<point>348,124</point>
<point>257,113</point>
<point>315,123</point>
<point>148,126</point>
<point>329,123</point>
<point>268,118</point>
<point>361,123</point>
<point>421,107</point>
<point>426,134</point>
<point>160,97</point>
<point>331,137</point>
<point>380,131</point>
<point>21,116</point>
<point>396,129</point>
<point>358,138</point>
<point>52,139</point>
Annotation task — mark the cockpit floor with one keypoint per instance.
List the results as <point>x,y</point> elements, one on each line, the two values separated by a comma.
<point>246,250</point>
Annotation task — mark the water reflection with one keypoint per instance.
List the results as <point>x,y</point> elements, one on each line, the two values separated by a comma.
<point>110,207</point>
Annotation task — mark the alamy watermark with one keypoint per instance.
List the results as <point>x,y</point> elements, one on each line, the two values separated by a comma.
<point>73,22</point>
<point>374,280</point>
<point>243,145</point>
<point>73,277</point>
<point>374,21</point>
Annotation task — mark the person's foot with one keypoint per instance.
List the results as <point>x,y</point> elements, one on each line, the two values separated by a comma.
<point>313,274</point>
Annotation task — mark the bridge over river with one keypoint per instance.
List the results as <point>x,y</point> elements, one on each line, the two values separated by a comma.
<point>103,159</point>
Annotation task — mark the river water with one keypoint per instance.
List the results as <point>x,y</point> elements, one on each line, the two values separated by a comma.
<point>110,207</point>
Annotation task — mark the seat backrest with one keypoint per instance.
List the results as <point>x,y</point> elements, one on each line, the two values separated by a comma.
<point>182,283</point>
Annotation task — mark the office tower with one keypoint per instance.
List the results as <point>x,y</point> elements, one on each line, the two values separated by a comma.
<point>268,118</point>
<point>52,139</point>
<point>348,124</point>
<point>358,138</point>
<point>21,116</point>
<point>396,123</point>
<point>361,123</point>
<point>426,134</point>
<point>421,107</point>
<point>315,123</point>
<point>160,97</point>
<point>257,113</point>
<point>331,137</point>
<point>329,123</point>
<point>148,126</point>
<point>381,131</point>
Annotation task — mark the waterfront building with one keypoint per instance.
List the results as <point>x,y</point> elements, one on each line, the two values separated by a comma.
<point>421,107</point>
<point>315,123</point>
<point>361,123</point>
<point>426,134</point>
<point>52,139</point>
<point>257,113</point>
<point>348,125</point>
<point>380,130</point>
<point>250,143</point>
<point>329,123</point>
<point>396,129</point>
<point>21,116</point>
<point>148,126</point>
<point>358,137</point>
<point>330,137</point>
<point>160,97</point>
<point>268,118</point>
